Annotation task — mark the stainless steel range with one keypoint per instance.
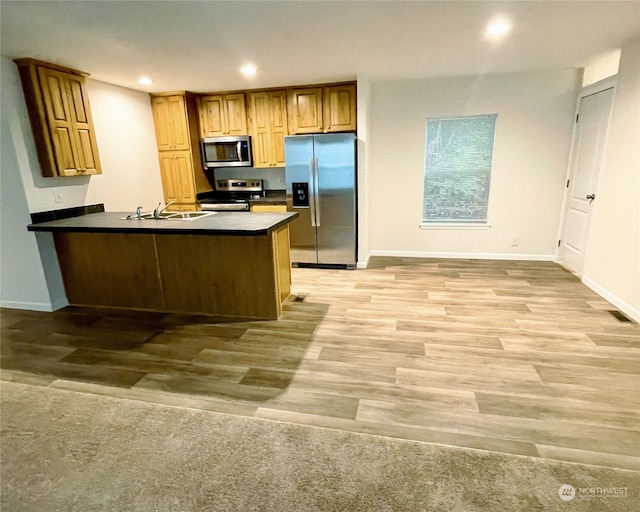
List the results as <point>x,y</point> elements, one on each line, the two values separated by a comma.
<point>232,195</point>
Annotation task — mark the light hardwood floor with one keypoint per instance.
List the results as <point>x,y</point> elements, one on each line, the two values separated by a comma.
<point>514,357</point>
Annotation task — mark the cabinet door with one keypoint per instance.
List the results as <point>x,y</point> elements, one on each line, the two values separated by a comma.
<point>179,122</point>
<point>177,176</point>
<point>268,127</point>
<point>212,122</point>
<point>162,123</point>
<point>170,119</point>
<point>306,110</point>
<point>278,115</point>
<point>261,129</point>
<point>236,114</point>
<point>59,120</point>
<point>340,108</point>
<point>86,143</point>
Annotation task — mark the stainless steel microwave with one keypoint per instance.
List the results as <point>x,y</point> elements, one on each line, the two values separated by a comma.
<point>234,151</point>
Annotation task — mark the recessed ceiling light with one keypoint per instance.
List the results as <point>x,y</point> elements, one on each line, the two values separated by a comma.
<point>498,27</point>
<point>145,81</point>
<point>248,70</point>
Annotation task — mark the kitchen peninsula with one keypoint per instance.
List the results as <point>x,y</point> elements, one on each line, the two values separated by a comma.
<point>234,265</point>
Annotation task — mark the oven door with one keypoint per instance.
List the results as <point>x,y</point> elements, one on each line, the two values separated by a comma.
<point>226,152</point>
<point>225,206</point>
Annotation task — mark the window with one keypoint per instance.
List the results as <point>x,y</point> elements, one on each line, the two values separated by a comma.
<point>457,170</point>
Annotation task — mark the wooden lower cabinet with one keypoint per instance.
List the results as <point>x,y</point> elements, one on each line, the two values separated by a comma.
<point>109,269</point>
<point>177,177</point>
<point>226,276</point>
<point>268,207</point>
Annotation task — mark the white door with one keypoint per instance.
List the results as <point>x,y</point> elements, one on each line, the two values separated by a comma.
<point>588,146</point>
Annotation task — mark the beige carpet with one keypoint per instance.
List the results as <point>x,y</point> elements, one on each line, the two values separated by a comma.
<point>63,450</point>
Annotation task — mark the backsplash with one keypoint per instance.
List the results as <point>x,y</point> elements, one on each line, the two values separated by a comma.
<point>65,213</point>
<point>273,178</point>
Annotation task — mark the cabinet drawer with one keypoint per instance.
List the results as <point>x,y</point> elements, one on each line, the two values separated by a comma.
<point>268,207</point>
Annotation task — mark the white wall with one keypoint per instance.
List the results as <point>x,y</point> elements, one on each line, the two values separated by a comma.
<point>603,66</point>
<point>533,136</point>
<point>131,177</point>
<point>612,263</point>
<point>19,288</point>
<point>364,129</point>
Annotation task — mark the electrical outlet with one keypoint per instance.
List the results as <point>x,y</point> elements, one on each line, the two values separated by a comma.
<point>57,196</point>
<point>515,242</point>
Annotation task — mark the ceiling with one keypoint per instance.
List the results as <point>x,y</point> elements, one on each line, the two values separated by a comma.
<point>199,45</point>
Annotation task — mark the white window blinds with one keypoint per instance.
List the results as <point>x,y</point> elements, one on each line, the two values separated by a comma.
<point>457,173</point>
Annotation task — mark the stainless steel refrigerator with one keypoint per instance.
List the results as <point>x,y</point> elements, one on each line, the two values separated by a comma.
<point>320,175</point>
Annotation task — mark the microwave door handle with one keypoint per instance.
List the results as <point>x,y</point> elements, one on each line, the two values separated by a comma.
<point>239,151</point>
<point>312,192</point>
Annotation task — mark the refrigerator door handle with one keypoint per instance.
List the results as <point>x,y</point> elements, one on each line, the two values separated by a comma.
<point>316,190</point>
<point>312,191</point>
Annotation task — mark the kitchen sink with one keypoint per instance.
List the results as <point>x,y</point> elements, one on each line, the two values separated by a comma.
<point>163,215</point>
<point>189,215</point>
<point>170,216</point>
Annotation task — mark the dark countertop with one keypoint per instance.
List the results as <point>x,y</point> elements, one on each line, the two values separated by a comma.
<point>221,223</point>
<point>271,197</point>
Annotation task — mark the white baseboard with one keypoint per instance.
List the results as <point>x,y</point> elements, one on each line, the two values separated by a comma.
<point>623,306</point>
<point>464,255</point>
<point>365,263</point>
<point>34,306</point>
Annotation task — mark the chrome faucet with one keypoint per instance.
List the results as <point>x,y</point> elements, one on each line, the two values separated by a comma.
<point>139,212</point>
<point>158,210</point>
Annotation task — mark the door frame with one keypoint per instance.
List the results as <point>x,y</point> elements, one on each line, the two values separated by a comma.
<point>595,88</point>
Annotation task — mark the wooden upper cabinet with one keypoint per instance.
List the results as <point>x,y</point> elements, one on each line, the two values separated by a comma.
<point>60,117</point>
<point>222,114</point>
<point>327,109</point>
<point>305,110</point>
<point>339,103</point>
<point>268,121</point>
<point>171,123</point>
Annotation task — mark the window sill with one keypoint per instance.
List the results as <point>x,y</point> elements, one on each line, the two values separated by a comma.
<point>453,225</point>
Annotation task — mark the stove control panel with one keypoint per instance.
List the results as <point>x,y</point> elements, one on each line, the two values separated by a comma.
<point>239,185</point>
